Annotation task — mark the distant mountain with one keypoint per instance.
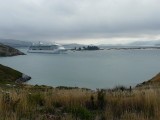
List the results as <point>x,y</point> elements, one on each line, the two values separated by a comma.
<point>108,46</point>
<point>15,43</point>
<point>137,43</point>
<point>9,51</point>
<point>145,43</point>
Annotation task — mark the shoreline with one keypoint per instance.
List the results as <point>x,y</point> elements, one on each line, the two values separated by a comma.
<point>24,78</point>
<point>25,101</point>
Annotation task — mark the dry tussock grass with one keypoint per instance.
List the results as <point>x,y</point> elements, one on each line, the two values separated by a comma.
<point>49,103</point>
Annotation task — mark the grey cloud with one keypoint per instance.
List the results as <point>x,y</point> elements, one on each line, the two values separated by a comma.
<point>78,19</point>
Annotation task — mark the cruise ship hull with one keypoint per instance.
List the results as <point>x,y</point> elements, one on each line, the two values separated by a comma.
<point>47,51</point>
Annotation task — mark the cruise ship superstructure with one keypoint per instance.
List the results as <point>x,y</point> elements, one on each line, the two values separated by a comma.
<point>46,48</point>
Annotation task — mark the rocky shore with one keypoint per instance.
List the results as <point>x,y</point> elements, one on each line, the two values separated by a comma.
<point>23,79</point>
<point>8,74</point>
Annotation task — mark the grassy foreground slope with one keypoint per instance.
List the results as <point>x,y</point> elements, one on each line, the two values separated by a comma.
<point>153,82</point>
<point>47,103</point>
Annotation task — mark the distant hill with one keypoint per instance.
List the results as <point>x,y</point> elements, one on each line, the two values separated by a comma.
<point>137,43</point>
<point>77,46</point>
<point>15,43</point>
<point>9,51</point>
<point>72,46</point>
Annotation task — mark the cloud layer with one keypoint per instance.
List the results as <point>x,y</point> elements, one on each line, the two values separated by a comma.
<point>97,21</point>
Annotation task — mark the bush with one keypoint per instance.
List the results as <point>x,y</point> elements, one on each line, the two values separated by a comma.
<point>101,99</point>
<point>36,99</point>
<point>81,113</point>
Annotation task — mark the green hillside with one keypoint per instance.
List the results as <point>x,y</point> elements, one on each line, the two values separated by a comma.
<point>8,74</point>
<point>9,51</point>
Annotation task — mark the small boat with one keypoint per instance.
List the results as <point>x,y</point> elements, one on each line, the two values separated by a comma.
<point>47,48</point>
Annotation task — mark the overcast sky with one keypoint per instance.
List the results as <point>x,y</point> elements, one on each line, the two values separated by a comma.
<point>80,21</point>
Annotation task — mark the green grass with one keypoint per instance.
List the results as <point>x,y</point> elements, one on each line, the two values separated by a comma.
<point>9,51</point>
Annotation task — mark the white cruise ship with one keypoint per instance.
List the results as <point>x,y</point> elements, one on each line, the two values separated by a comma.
<point>44,48</point>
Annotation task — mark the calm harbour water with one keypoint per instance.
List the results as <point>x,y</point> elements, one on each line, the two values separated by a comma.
<point>90,69</point>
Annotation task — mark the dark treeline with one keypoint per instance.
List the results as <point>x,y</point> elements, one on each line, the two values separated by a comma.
<point>87,48</point>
